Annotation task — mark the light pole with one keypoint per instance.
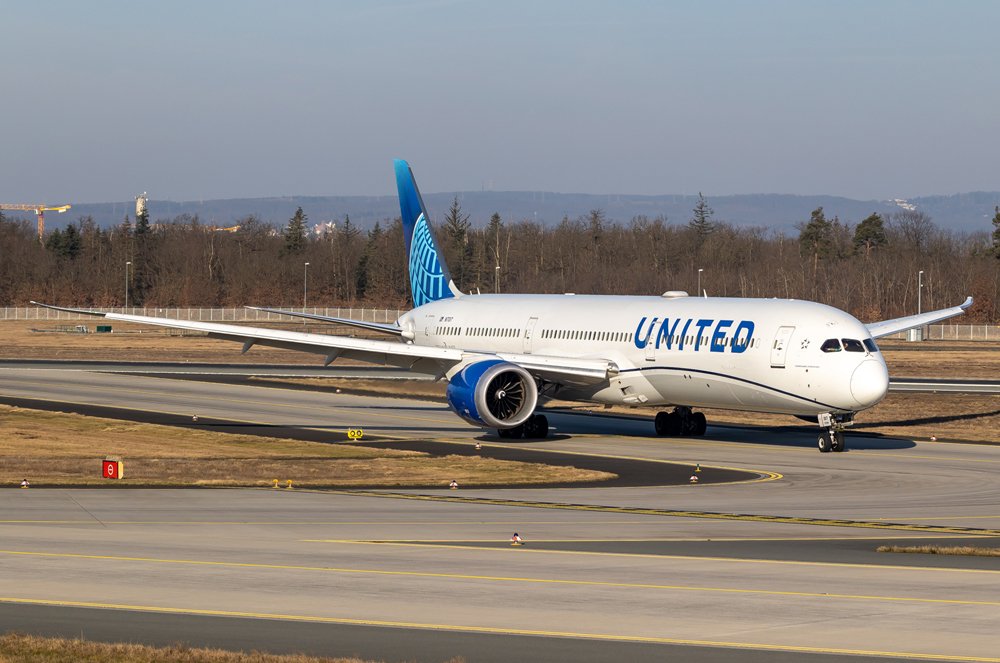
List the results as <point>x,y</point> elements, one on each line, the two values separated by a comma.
<point>305,285</point>
<point>920,289</point>
<point>700,270</point>
<point>125,308</point>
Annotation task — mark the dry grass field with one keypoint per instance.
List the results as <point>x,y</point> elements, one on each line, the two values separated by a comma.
<point>129,342</point>
<point>943,359</point>
<point>53,448</point>
<point>18,648</point>
<point>971,551</point>
<point>922,416</point>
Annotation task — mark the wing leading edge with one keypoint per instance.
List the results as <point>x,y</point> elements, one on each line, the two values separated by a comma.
<point>417,358</point>
<point>886,327</point>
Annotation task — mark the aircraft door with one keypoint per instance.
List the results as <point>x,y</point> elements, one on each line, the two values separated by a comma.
<point>780,346</point>
<point>529,330</point>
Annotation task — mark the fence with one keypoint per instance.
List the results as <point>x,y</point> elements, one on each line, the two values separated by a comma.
<point>205,314</point>
<point>957,333</point>
<point>933,332</point>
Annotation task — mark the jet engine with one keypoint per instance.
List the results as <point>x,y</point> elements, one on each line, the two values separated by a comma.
<point>493,393</point>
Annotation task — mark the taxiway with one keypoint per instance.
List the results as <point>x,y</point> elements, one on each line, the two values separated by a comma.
<point>781,566</point>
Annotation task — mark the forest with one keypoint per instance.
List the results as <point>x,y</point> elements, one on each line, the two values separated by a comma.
<point>870,268</point>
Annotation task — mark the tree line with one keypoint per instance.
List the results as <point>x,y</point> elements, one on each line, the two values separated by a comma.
<point>869,268</point>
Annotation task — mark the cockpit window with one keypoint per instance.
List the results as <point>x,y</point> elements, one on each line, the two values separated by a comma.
<point>853,345</point>
<point>870,345</point>
<point>830,345</point>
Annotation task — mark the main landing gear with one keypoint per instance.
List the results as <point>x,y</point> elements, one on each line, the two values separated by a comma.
<point>682,422</point>
<point>832,436</point>
<point>535,428</point>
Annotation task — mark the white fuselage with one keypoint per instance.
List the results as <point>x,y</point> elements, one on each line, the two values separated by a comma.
<point>761,355</point>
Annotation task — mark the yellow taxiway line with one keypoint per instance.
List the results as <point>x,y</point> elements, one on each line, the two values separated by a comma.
<point>759,646</point>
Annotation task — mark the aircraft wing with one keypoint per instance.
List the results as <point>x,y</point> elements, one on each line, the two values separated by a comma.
<point>417,358</point>
<point>361,324</point>
<point>886,327</point>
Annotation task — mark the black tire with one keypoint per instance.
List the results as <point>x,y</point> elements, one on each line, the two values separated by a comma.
<point>824,443</point>
<point>661,423</point>
<point>541,425</point>
<point>700,424</point>
<point>514,433</point>
<point>839,443</point>
<point>536,427</point>
<point>675,425</point>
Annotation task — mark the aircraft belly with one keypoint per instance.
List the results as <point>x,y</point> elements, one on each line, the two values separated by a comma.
<point>696,389</point>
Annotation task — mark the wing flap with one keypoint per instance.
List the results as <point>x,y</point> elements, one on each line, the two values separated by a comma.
<point>348,322</point>
<point>896,325</point>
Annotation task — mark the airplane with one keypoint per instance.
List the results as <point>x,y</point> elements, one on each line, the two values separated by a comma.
<point>503,355</point>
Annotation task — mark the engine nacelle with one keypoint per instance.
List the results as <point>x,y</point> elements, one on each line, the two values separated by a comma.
<point>493,393</point>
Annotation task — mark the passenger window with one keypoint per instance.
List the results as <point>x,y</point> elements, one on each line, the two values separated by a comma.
<point>853,345</point>
<point>870,345</point>
<point>830,345</point>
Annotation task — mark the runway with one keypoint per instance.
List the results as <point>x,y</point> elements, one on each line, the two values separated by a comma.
<point>737,571</point>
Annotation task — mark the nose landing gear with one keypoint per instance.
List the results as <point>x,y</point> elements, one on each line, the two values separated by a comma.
<point>831,440</point>
<point>832,437</point>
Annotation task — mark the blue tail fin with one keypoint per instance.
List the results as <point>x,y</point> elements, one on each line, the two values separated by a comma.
<point>429,278</point>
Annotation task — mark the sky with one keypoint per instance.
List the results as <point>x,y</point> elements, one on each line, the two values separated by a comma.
<point>193,100</point>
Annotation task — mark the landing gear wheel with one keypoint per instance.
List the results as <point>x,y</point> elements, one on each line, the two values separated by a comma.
<point>839,444</point>
<point>673,424</point>
<point>824,443</point>
<point>661,423</point>
<point>536,427</point>
<point>700,424</point>
<point>514,433</point>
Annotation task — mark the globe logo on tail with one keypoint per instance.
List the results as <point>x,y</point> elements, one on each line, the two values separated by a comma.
<point>427,279</point>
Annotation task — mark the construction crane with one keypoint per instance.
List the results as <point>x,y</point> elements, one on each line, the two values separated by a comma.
<point>39,211</point>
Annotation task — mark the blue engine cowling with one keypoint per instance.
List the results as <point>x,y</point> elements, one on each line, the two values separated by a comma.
<point>493,393</point>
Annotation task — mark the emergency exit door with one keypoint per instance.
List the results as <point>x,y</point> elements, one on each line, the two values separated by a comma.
<point>529,330</point>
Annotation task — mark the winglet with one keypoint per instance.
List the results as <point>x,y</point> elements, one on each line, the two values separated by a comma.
<point>886,327</point>
<point>80,311</point>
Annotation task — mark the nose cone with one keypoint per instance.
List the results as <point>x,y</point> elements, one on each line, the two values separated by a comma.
<point>869,383</point>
